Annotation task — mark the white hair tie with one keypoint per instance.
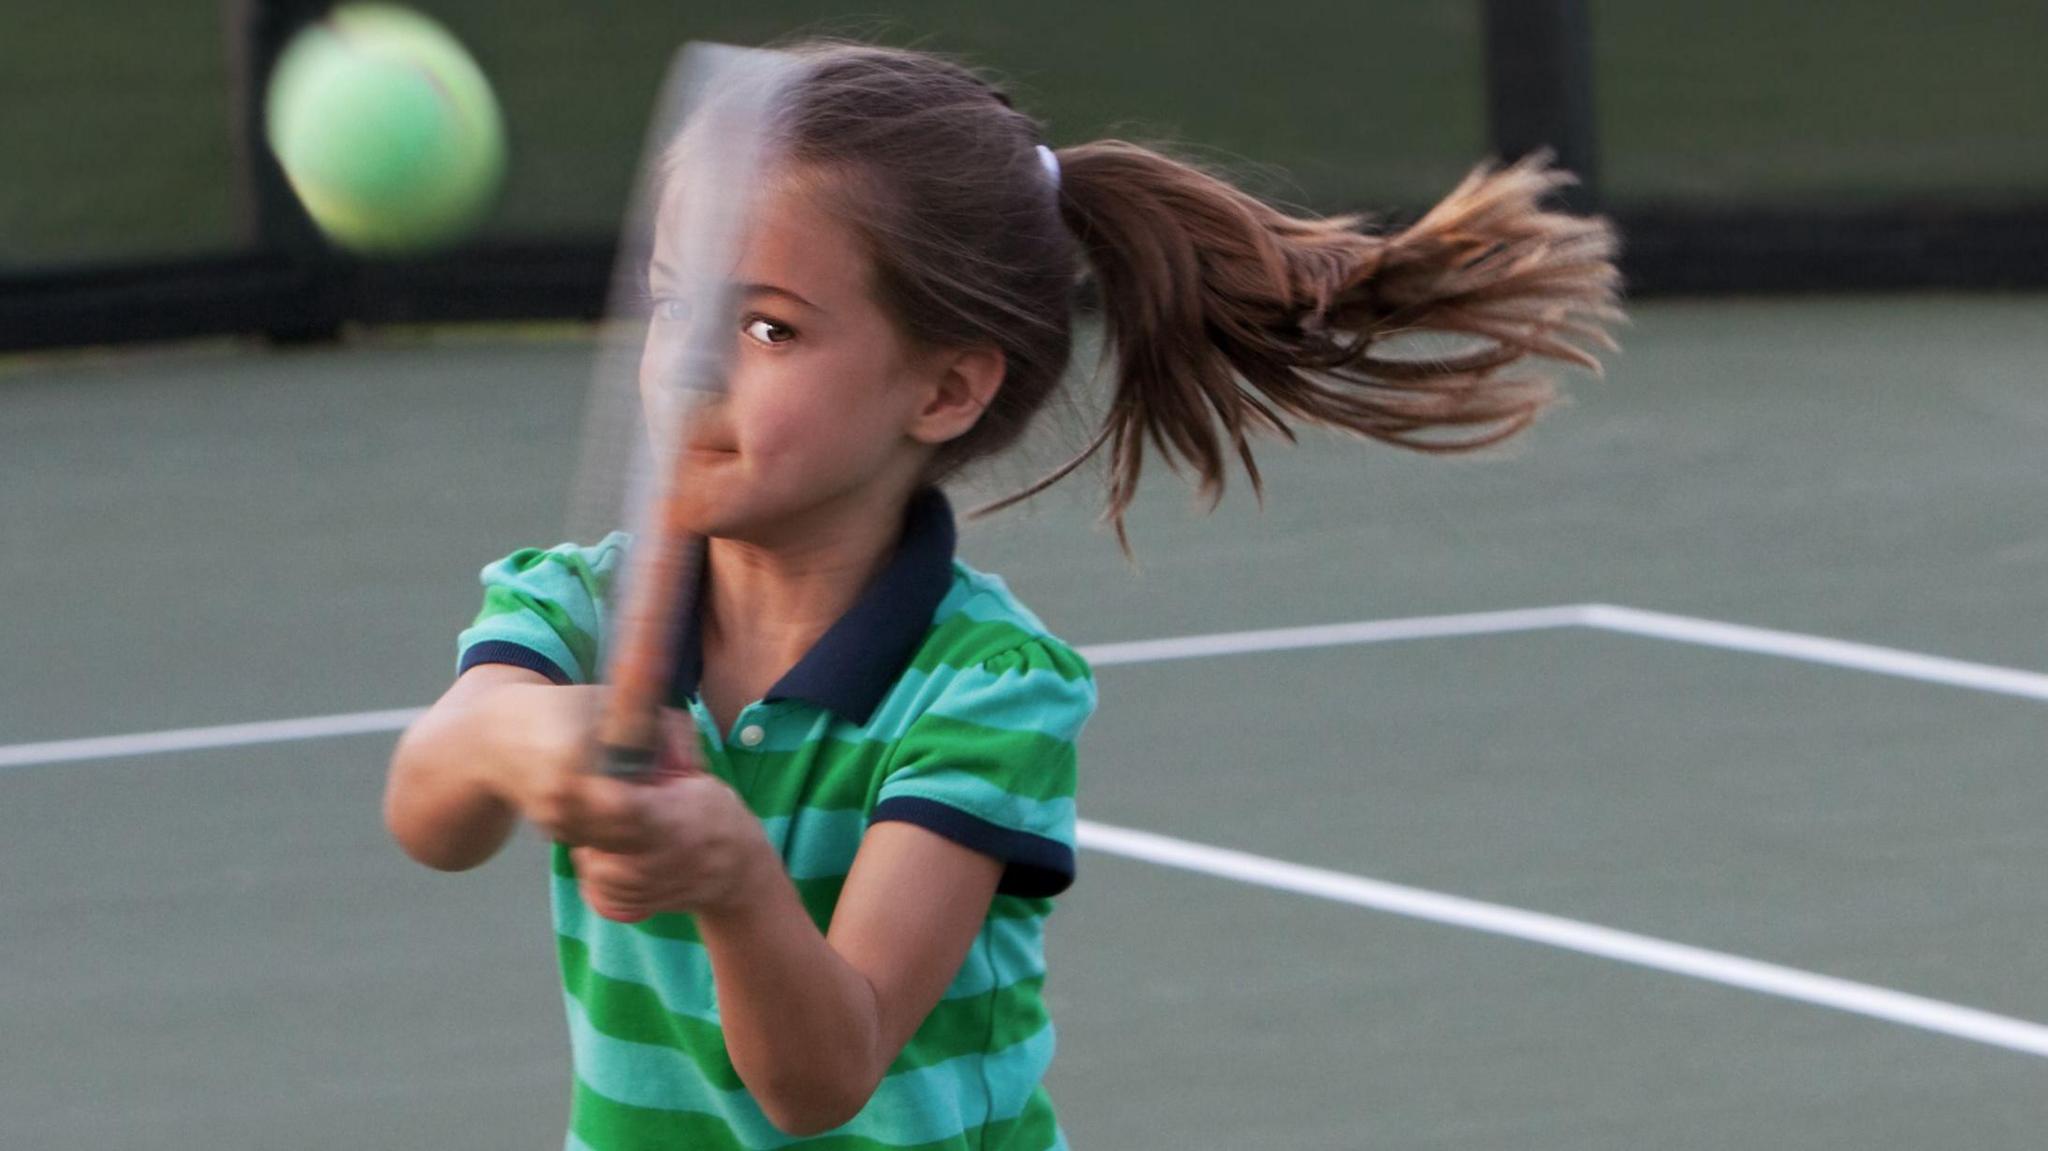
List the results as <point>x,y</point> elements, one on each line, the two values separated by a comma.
<point>1051,163</point>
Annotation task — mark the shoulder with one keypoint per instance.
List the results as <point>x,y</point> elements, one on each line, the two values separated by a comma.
<point>544,609</point>
<point>588,569</point>
<point>990,668</point>
<point>985,755</point>
<point>982,625</point>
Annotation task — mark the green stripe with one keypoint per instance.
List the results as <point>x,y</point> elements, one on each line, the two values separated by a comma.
<point>1025,695</point>
<point>837,775</point>
<point>1018,907</point>
<point>963,641</point>
<point>501,602</point>
<point>826,776</point>
<point>607,1125</point>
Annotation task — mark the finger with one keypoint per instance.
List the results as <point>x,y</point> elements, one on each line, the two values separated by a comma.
<point>618,878</point>
<point>608,908</point>
<point>614,815</point>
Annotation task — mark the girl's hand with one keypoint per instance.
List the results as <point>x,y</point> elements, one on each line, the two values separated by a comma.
<point>680,840</point>
<point>539,750</point>
<point>542,766</point>
<point>693,847</point>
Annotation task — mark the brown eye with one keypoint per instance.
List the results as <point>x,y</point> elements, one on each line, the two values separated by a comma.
<point>766,331</point>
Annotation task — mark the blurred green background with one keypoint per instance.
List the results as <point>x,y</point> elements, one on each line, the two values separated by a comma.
<point>116,116</point>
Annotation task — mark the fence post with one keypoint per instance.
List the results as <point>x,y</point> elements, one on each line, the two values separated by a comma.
<point>1539,87</point>
<point>276,225</point>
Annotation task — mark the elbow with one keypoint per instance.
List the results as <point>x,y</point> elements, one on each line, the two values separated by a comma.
<point>428,853</point>
<point>419,847</point>
<point>409,821</point>
<point>802,1110</point>
<point>421,844</point>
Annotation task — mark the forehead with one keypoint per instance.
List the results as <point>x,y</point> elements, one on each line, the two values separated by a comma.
<point>791,241</point>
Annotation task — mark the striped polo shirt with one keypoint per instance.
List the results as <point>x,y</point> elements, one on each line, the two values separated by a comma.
<point>938,700</point>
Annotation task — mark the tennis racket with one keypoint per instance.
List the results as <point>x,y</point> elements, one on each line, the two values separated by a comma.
<point>660,360</point>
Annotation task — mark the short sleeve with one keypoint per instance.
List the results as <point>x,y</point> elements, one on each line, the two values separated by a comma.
<point>990,763</point>
<point>543,610</point>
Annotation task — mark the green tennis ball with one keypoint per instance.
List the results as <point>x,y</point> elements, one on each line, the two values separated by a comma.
<point>386,129</point>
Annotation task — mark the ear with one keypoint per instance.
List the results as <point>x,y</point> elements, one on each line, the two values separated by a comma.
<point>963,383</point>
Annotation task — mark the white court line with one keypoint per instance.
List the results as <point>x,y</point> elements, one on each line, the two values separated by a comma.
<point>1334,635</point>
<point>1573,935</point>
<point>1815,649</point>
<point>206,738</point>
<point>1496,919</point>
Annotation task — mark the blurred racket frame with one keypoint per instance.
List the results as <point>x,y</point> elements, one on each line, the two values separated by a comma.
<point>660,358</point>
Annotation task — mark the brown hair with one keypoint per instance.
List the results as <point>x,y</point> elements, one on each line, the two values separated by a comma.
<point>1224,316</point>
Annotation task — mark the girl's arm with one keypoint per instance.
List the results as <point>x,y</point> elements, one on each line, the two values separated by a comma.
<point>812,1021</point>
<point>446,797</point>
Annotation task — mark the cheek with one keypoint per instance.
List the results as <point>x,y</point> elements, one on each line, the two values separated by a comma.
<point>823,415</point>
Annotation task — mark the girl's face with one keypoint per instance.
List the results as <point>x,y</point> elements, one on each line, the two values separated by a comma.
<point>828,408</point>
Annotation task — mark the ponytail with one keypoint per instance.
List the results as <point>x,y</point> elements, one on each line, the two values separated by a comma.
<point>1226,317</point>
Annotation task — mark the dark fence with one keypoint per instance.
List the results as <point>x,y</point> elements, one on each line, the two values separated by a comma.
<point>1743,146</point>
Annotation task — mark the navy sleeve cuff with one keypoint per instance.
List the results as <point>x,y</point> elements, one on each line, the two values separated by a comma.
<point>1034,867</point>
<point>500,651</point>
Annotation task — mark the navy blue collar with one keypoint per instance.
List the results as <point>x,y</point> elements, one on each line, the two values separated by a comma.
<point>852,666</point>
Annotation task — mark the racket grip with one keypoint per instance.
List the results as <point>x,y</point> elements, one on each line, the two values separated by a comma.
<point>620,762</point>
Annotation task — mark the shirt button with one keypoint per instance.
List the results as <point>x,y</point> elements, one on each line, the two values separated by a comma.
<point>752,735</point>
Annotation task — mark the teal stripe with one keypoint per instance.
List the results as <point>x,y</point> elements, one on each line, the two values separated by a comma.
<point>615,1126</point>
<point>551,601</point>
<point>679,970</point>
<point>1040,700</point>
<point>1007,951</point>
<point>1052,818</point>
<point>528,631</point>
<point>986,598</point>
<point>826,841</point>
<point>957,593</point>
<point>571,1143</point>
<point>918,1106</point>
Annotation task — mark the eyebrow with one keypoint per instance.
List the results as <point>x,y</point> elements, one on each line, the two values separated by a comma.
<point>660,271</point>
<point>773,290</point>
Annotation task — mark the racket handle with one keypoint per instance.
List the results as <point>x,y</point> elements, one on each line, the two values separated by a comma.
<point>626,762</point>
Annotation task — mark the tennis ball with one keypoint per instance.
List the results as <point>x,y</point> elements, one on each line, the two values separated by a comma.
<point>386,129</point>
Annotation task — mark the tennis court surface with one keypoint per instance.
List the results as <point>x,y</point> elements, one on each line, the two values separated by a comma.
<point>1671,732</point>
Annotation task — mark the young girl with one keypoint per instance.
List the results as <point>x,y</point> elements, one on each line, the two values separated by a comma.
<point>828,916</point>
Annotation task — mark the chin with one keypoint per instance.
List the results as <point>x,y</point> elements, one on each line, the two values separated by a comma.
<point>728,516</point>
